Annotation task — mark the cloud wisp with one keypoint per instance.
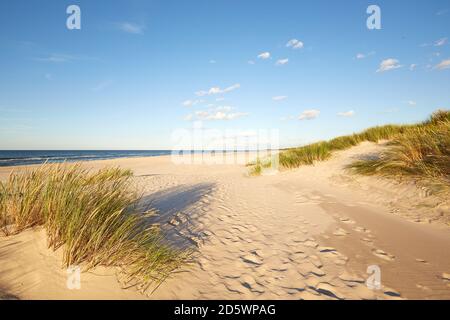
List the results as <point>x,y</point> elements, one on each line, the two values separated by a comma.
<point>264,55</point>
<point>389,64</point>
<point>309,114</point>
<point>130,27</point>
<point>360,56</point>
<point>191,103</point>
<point>213,113</point>
<point>282,62</point>
<point>346,114</point>
<point>279,98</point>
<point>440,42</point>
<point>445,64</point>
<point>295,44</point>
<point>217,90</point>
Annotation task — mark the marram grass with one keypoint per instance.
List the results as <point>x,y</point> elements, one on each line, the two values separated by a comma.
<point>92,216</point>
<point>320,151</point>
<point>420,150</point>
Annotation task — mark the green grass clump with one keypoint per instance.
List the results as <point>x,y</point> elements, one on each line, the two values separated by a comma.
<point>421,152</point>
<point>257,167</point>
<point>93,216</point>
<point>320,151</point>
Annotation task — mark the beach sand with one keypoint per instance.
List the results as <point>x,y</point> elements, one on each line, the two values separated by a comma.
<point>309,233</point>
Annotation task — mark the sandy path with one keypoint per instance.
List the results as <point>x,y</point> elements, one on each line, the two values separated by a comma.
<point>310,233</point>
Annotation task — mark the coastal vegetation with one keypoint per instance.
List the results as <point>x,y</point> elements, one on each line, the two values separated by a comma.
<point>92,216</point>
<point>419,151</point>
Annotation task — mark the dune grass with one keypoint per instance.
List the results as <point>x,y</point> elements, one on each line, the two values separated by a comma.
<point>422,152</point>
<point>92,216</point>
<point>412,135</point>
<point>320,151</point>
<point>257,167</point>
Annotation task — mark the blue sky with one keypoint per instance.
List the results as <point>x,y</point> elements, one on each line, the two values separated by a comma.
<point>138,70</point>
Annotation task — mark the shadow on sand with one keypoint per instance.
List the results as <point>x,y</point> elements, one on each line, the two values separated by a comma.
<point>178,210</point>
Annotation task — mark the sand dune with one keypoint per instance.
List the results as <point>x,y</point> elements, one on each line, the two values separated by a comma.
<point>309,233</point>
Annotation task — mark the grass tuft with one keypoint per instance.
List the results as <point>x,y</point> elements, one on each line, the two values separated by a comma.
<point>421,152</point>
<point>320,151</point>
<point>93,216</point>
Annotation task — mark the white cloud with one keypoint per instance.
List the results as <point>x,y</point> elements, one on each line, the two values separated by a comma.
<point>360,56</point>
<point>219,115</point>
<point>445,64</point>
<point>413,67</point>
<point>389,64</point>
<point>264,55</point>
<point>279,98</point>
<point>411,103</point>
<point>220,99</point>
<point>309,114</point>
<point>190,103</point>
<point>130,27</point>
<point>437,43</point>
<point>440,42</point>
<point>188,117</point>
<point>217,90</point>
<point>295,44</point>
<point>350,113</point>
<point>282,62</point>
<point>224,108</point>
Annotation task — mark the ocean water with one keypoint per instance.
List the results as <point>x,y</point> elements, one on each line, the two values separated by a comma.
<point>25,157</point>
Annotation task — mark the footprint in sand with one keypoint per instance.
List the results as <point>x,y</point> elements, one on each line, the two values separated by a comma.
<point>383,255</point>
<point>308,268</point>
<point>251,284</point>
<point>445,276</point>
<point>367,241</point>
<point>252,259</point>
<point>346,220</point>
<point>329,290</point>
<point>340,232</point>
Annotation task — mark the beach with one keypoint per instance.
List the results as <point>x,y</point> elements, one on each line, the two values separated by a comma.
<point>307,233</point>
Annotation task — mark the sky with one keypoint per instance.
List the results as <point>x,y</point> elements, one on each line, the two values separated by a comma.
<point>139,71</point>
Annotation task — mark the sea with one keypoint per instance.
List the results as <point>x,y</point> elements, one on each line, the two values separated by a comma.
<point>26,157</point>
